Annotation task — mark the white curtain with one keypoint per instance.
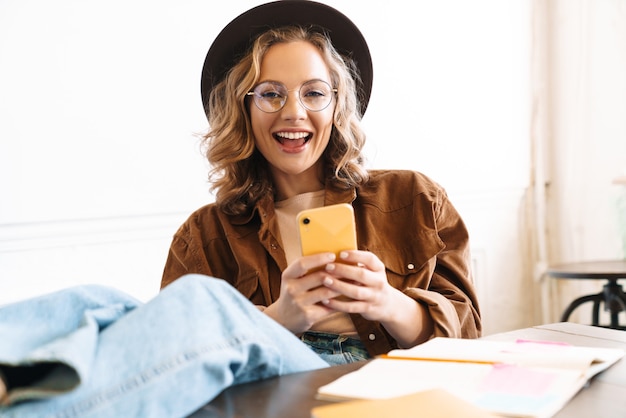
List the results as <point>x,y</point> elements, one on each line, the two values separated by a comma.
<point>578,140</point>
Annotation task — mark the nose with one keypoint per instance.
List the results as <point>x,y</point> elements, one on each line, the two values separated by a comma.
<point>293,108</point>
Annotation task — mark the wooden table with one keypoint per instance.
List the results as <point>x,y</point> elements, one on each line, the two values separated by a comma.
<point>293,396</point>
<point>612,296</point>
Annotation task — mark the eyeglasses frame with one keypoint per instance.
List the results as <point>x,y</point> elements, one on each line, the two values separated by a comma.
<point>253,94</point>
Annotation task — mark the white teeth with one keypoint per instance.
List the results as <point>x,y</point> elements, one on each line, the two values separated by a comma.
<point>292,135</point>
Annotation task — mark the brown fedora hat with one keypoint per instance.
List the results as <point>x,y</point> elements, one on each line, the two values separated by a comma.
<point>235,39</point>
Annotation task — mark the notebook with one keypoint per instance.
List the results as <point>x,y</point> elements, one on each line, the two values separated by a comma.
<point>512,378</point>
<point>434,403</point>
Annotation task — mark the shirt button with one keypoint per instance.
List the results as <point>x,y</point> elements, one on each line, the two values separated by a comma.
<point>372,337</point>
<point>410,266</point>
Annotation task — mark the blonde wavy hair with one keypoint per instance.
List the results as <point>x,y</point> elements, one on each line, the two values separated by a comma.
<point>239,174</point>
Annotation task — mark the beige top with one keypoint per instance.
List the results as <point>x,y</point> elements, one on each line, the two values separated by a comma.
<point>286,212</point>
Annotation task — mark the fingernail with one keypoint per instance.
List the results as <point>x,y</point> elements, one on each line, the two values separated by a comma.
<point>328,281</point>
<point>330,267</point>
<point>343,254</point>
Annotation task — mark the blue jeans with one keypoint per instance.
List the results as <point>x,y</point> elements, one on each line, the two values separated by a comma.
<point>96,352</point>
<point>335,349</point>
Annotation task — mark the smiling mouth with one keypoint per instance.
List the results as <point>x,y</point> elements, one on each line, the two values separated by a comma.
<point>293,139</point>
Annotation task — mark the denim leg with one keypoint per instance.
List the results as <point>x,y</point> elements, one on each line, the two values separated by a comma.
<point>176,353</point>
<point>55,335</point>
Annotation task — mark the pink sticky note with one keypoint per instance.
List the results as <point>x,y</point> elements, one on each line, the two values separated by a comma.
<point>511,379</point>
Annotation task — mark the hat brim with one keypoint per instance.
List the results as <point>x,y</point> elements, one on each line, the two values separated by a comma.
<point>235,39</point>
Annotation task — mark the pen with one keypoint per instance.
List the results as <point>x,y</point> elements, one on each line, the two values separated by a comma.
<point>388,357</point>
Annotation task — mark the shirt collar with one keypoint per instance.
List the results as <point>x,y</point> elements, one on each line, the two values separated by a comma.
<point>264,208</point>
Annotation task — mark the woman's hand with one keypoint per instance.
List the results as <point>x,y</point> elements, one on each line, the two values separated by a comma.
<point>362,279</point>
<point>303,296</point>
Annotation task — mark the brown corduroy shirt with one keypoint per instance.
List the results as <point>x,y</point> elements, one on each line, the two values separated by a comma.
<point>401,216</point>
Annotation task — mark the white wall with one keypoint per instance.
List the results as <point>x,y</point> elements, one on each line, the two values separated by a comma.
<point>98,160</point>
<point>99,104</point>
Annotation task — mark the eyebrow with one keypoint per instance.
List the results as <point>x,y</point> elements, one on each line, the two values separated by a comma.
<point>304,82</point>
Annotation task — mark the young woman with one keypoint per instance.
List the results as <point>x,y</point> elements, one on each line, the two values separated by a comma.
<point>239,302</point>
<point>285,136</point>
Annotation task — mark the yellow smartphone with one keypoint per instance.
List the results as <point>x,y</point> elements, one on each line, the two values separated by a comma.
<point>327,229</point>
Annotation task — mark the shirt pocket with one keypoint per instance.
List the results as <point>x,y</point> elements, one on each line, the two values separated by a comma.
<point>412,265</point>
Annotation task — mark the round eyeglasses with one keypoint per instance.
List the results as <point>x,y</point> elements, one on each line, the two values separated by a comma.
<point>271,96</point>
